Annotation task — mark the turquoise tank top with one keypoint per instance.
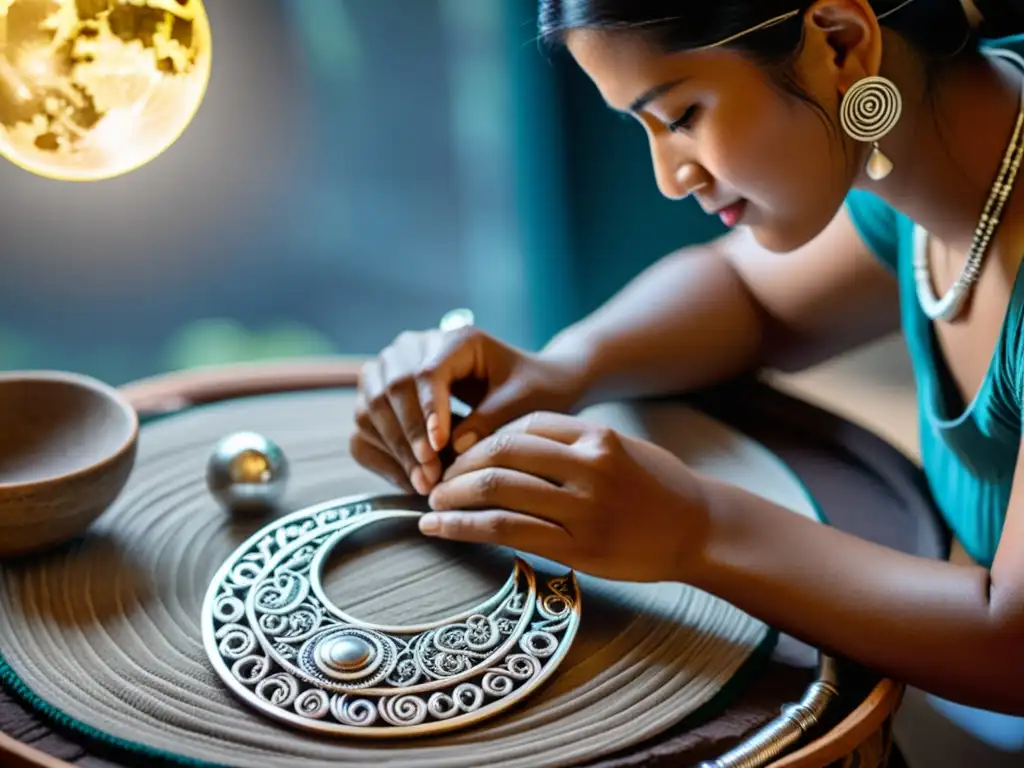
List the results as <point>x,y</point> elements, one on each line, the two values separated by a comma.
<point>968,450</point>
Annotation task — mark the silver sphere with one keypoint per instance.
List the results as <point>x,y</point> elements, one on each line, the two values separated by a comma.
<point>247,473</point>
<point>347,654</point>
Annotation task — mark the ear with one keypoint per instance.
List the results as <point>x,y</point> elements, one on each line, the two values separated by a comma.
<point>845,38</point>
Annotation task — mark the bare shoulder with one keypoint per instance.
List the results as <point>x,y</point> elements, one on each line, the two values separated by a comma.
<point>832,291</point>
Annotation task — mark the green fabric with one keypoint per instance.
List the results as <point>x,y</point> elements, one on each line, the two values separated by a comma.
<point>968,450</point>
<point>541,183</point>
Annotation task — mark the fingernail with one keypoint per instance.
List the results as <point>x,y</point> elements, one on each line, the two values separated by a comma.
<point>419,482</point>
<point>466,442</point>
<point>432,472</point>
<point>430,524</point>
<point>434,431</point>
<point>421,450</point>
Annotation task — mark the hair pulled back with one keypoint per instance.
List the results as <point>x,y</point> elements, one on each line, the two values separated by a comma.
<point>938,28</point>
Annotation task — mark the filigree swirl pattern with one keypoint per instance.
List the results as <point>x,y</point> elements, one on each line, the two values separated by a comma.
<point>286,650</point>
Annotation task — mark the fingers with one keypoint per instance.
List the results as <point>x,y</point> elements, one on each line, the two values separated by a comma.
<point>382,420</point>
<point>523,452</point>
<point>456,355</point>
<point>553,426</point>
<point>401,392</point>
<point>498,408</point>
<point>400,388</point>
<point>379,461</point>
<point>496,487</point>
<point>500,528</point>
<point>408,391</point>
<point>435,408</point>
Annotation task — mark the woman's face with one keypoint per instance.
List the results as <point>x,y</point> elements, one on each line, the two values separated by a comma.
<point>720,130</point>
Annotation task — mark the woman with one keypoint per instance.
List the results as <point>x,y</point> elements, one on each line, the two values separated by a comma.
<point>864,154</point>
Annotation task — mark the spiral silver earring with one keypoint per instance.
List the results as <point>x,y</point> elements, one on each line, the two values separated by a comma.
<point>870,109</point>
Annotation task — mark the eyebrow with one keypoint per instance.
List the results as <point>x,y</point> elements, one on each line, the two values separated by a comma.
<point>653,93</point>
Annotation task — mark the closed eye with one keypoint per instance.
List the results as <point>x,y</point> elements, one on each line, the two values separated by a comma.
<point>685,122</point>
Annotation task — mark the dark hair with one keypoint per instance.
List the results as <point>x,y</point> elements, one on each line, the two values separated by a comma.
<point>939,29</point>
<point>1003,18</point>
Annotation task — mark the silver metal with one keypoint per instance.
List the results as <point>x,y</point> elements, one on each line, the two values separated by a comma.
<point>457,318</point>
<point>247,473</point>
<point>949,307</point>
<point>786,731</point>
<point>285,649</point>
<point>775,20</point>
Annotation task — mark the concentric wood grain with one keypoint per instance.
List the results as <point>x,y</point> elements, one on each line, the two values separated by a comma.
<point>108,631</point>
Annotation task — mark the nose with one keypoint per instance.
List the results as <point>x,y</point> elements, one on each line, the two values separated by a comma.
<point>677,177</point>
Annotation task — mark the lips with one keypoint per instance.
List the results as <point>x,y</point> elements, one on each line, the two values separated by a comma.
<point>732,214</point>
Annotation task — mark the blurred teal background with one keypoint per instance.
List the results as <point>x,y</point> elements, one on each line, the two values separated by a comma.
<point>359,168</point>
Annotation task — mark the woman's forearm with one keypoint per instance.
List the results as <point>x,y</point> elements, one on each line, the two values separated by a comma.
<point>928,623</point>
<point>686,322</point>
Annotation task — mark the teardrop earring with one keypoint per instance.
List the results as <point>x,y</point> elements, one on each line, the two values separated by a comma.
<point>870,110</point>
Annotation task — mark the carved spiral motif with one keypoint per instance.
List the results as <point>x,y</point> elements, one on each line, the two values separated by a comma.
<point>404,710</point>
<point>284,649</point>
<point>313,703</point>
<point>280,690</point>
<point>236,641</point>
<point>870,109</point>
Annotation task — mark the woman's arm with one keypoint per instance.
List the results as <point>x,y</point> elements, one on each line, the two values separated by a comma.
<point>710,312</point>
<point>954,630</point>
<point>578,493</point>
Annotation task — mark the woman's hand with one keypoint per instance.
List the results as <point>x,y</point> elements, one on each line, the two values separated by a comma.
<point>576,493</point>
<point>404,418</point>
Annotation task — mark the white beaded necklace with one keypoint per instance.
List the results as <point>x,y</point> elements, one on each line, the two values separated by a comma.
<point>950,305</point>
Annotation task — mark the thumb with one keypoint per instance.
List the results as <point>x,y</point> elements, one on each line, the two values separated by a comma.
<point>505,404</point>
<point>456,359</point>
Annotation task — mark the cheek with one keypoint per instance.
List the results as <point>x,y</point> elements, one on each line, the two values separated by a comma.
<point>773,152</point>
<point>791,165</point>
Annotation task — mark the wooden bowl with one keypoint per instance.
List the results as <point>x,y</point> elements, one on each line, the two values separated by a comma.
<point>67,447</point>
